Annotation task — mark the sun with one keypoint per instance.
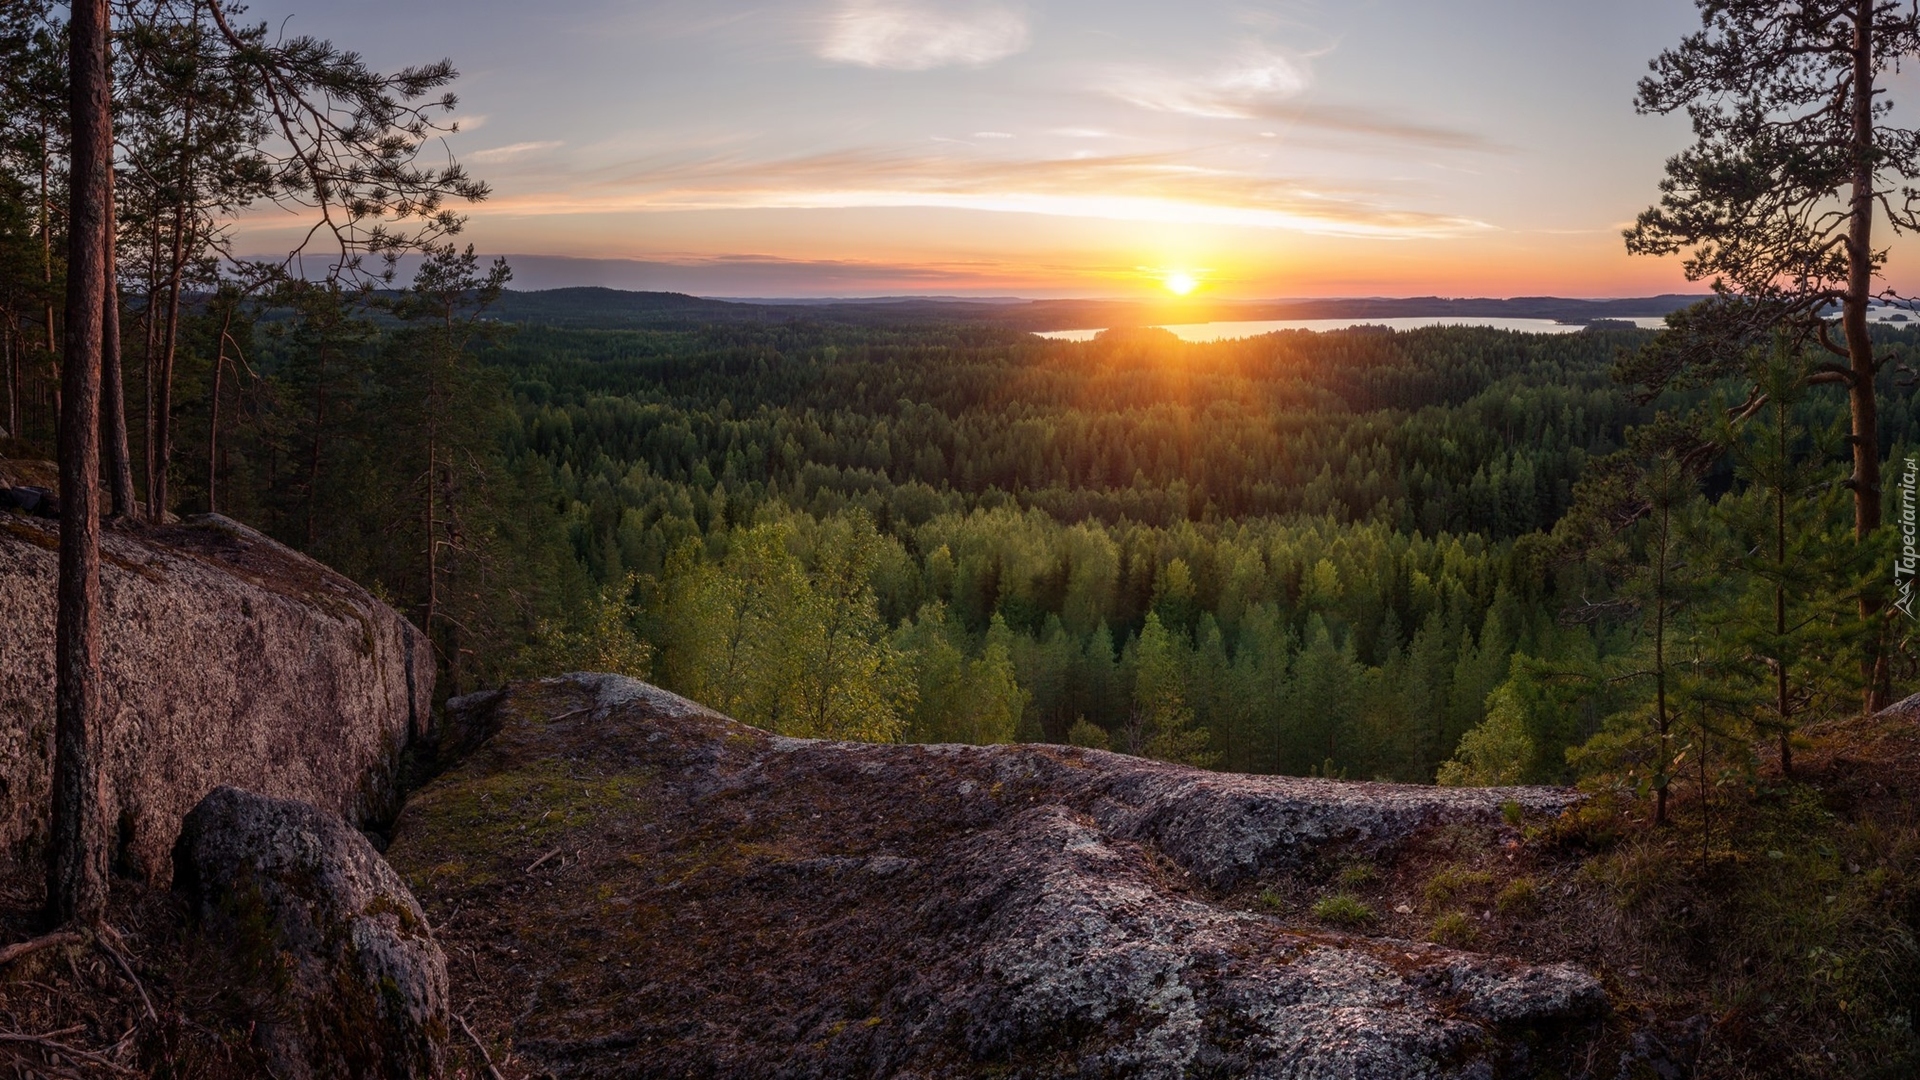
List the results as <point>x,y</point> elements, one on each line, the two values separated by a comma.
<point>1180,282</point>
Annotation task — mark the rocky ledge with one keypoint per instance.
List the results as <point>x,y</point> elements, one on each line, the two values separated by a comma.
<point>227,659</point>
<point>628,884</point>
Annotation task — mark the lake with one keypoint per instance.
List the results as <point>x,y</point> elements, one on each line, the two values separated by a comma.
<point>1222,331</point>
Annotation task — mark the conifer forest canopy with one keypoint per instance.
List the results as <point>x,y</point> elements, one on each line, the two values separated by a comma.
<point>1454,553</point>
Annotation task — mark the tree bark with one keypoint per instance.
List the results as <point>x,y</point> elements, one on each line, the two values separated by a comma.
<point>77,852</point>
<point>163,407</point>
<point>433,549</point>
<point>150,356</point>
<point>1660,670</point>
<point>213,415</point>
<point>319,426</point>
<point>1783,698</point>
<point>46,224</point>
<point>113,387</point>
<point>1865,482</point>
<point>13,378</point>
<point>213,436</point>
<point>157,495</point>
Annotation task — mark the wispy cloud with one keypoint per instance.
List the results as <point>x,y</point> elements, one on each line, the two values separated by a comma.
<point>1357,120</point>
<point>1253,80</point>
<point>1263,84</point>
<point>512,150</point>
<point>1157,188</point>
<point>766,275</point>
<point>907,35</point>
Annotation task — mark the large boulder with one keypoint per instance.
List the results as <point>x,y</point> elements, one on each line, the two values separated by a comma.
<point>226,659</point>
<point>641,887</point>
<point>346,977</point>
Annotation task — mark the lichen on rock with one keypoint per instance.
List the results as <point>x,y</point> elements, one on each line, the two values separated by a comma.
<point>646,887</point>
<point>227,659</point>
<point>347,978</point>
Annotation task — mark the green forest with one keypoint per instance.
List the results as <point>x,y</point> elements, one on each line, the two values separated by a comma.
<point>1331,554</point>
<point>1363,554</point>
<point>1451,554</point>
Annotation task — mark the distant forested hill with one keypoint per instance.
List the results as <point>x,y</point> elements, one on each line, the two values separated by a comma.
<point>603,308</point>
<point>608,308</point>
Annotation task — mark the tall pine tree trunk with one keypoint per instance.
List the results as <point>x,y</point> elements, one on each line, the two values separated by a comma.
<point>77,849</point>
<point>13,378</point>
<point>319,438</point>
<point>213,435</point>
<point>1783,697</point>
<point>433,549</point>
<point>213,415</point>
<point>1662,720</point>
<point>150,328</point>
<point>162,453</point>
<point>170,343</point>
<point>113,388</point>
<point>1874,670</point>
<point>46,223</point>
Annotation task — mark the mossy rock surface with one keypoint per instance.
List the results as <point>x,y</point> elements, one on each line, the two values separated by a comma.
<point>337,954</point>
<point>629,884</point>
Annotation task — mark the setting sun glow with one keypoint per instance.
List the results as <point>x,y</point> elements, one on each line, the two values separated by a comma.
<point>1180,283</point>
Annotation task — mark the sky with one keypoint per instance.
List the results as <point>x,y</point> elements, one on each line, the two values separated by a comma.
<point>1295,148</point>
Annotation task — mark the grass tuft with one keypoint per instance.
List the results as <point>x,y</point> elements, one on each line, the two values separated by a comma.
<point>1344,910</point>
<point>1520,897</point>
<point>1358,875</point>
<point>1451,883</point>
<point>1453,928</point>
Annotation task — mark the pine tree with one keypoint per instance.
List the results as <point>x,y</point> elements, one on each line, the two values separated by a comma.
<point>1321,697</point>
<point>77,847</point>
<point>1260,672</point>
<point>721,627</point>
<point>34,87</point>
<point>602,637</point>
<point>1162,723</point>
<point>1638,518</point>
<point>438,417</point>
<point>1780,625</point>
<point>995,698</point>
<point>1795,161</point>
<point>326,362</point>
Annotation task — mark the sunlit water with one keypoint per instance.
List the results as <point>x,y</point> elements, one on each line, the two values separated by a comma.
<point>1223,331</point>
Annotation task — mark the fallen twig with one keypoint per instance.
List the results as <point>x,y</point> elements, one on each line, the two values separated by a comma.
<point>62,1048</point>
<point>480,1046</point>
<point>22,948</point>
<point>109,948</point>
<point>537,863</point>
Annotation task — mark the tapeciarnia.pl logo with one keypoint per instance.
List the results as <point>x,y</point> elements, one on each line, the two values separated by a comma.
<point>1905,566</point>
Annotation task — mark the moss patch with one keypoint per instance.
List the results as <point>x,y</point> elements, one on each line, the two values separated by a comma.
<point>476,826</point>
